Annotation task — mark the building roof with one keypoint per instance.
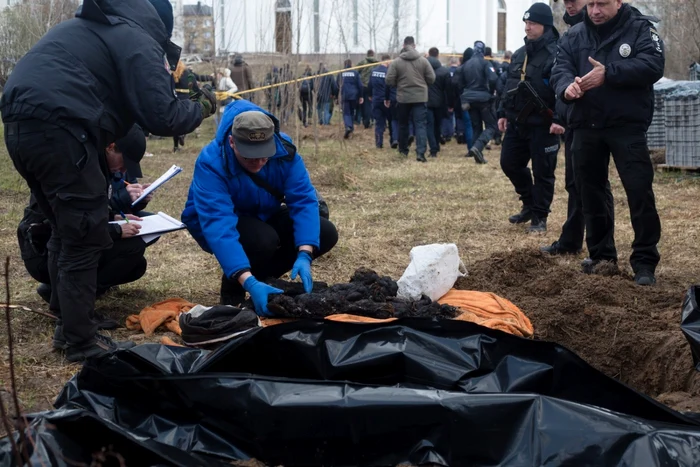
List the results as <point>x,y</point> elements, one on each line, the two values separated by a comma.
<point>196,10</point>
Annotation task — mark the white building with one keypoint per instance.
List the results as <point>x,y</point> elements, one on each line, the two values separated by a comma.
<point>340,26</point>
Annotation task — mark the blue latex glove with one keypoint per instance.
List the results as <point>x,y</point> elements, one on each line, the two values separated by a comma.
<point>259,292</point>
<point>302,267</point>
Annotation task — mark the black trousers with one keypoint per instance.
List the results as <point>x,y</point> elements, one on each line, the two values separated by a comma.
<point>571,238</point>
<point>482,115</point>
<point>68,179</point>
<point>591,154</point>
<point>434,124</point>
<point>271,249</point>
<point>121,264</point>
<point>419,112</point>
<point>306,109</point>
<point>521,145</point>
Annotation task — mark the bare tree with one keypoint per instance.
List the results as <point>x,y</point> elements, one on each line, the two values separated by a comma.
<point>679,29</point>
<point>373,17</point>
<point>23,24</point>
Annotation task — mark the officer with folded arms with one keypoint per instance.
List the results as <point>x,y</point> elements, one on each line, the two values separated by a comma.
<point>606,69</point>
<point>527,117</point>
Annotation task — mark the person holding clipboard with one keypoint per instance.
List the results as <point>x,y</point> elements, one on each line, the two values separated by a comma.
<point>125,261</point>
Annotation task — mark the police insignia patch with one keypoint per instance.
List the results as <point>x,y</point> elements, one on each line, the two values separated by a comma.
<point>526,15</point>
<point>656,39</point>
<point>625,50</point>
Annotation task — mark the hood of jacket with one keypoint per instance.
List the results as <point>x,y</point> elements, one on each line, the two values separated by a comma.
<point>284,148</point>
<point>371,59</point>
<point>434,62</point>
<point>574,20</point>
<point>114,12</point>
<point>410,54</point>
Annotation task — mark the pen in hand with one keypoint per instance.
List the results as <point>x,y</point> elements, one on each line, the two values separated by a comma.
<point>124,216</point>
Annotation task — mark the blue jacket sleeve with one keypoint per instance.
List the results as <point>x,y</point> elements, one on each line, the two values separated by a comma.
<point>646,68</point>
<point>302,202</point>
<point>564,71</point>
<point>217,218</point>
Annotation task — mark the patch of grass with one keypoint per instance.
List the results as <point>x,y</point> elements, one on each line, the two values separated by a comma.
<point>382,204</point>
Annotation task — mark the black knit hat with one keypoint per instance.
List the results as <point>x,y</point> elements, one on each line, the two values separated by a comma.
<point>540,13</point>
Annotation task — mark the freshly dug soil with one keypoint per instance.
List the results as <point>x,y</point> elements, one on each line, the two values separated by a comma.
<point>628,332</point>
<point>367,294</point>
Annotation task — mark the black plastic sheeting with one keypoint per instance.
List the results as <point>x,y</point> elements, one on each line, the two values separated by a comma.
<point>690,323</point>
<point>329,393</point>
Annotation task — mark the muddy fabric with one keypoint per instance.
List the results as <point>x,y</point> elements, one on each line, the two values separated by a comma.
<point>490,310</point>
<point>367,294</point>
<point>162,313</point>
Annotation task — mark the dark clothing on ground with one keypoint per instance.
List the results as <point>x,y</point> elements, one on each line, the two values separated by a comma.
<point>270,247</point>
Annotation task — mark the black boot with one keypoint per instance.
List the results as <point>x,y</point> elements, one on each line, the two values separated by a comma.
<point>555,249</point>
<point>525,215</point>
<point>538,225</point>
<point>477,155</point>
<point>44,291</point>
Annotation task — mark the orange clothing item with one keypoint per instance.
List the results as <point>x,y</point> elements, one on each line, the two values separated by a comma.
<point>162,313</point>
<point>490,310</point>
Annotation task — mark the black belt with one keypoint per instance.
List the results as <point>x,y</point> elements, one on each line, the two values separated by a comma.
<point>27,126</point>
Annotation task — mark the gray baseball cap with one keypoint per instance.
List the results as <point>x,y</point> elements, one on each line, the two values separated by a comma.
<point>254,134</point>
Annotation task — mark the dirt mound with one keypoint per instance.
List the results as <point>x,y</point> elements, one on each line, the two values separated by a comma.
<point>629,332</point>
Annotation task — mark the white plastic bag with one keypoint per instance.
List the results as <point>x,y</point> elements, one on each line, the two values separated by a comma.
<point>433,271</point>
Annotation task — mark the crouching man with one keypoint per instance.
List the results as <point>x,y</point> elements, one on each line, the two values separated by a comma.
<point>251,203</point>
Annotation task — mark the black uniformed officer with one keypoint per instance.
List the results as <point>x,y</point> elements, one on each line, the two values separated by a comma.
<point>606,68</point>
<point>571,238</point>
<point>527,118</point>
<point>79,89</point>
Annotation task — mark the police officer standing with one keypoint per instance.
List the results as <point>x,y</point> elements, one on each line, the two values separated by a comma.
<point>606,68</point>
<point>527,117</point>
<point>79,89</point>
<point>381,113</point>
<point>351,90</point>
<point>477,78</point>
<point>570,240</point>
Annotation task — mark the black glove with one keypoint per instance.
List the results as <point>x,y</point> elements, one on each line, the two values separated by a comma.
<point>206,98</point>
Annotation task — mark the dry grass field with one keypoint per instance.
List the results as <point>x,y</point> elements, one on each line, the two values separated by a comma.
<point>383,205</point>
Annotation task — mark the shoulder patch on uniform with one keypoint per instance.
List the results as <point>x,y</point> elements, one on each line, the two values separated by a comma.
<point>656,39</point>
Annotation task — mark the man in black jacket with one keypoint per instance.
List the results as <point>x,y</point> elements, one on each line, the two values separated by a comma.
<point>109,68</point>
<point>439,94</point>
<point>571,238</point>
<point>477,78</point>
<point>606,68</point>
<point>526,116</point>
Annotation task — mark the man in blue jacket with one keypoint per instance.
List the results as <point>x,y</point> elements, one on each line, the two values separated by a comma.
<point>234,207</point>
<point>351,91</point>
<point>376,89</point>
<point>606,69</point>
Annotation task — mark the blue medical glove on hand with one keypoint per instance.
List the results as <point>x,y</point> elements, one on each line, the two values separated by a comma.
<point>259,292</point>
<point>302,267</point>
